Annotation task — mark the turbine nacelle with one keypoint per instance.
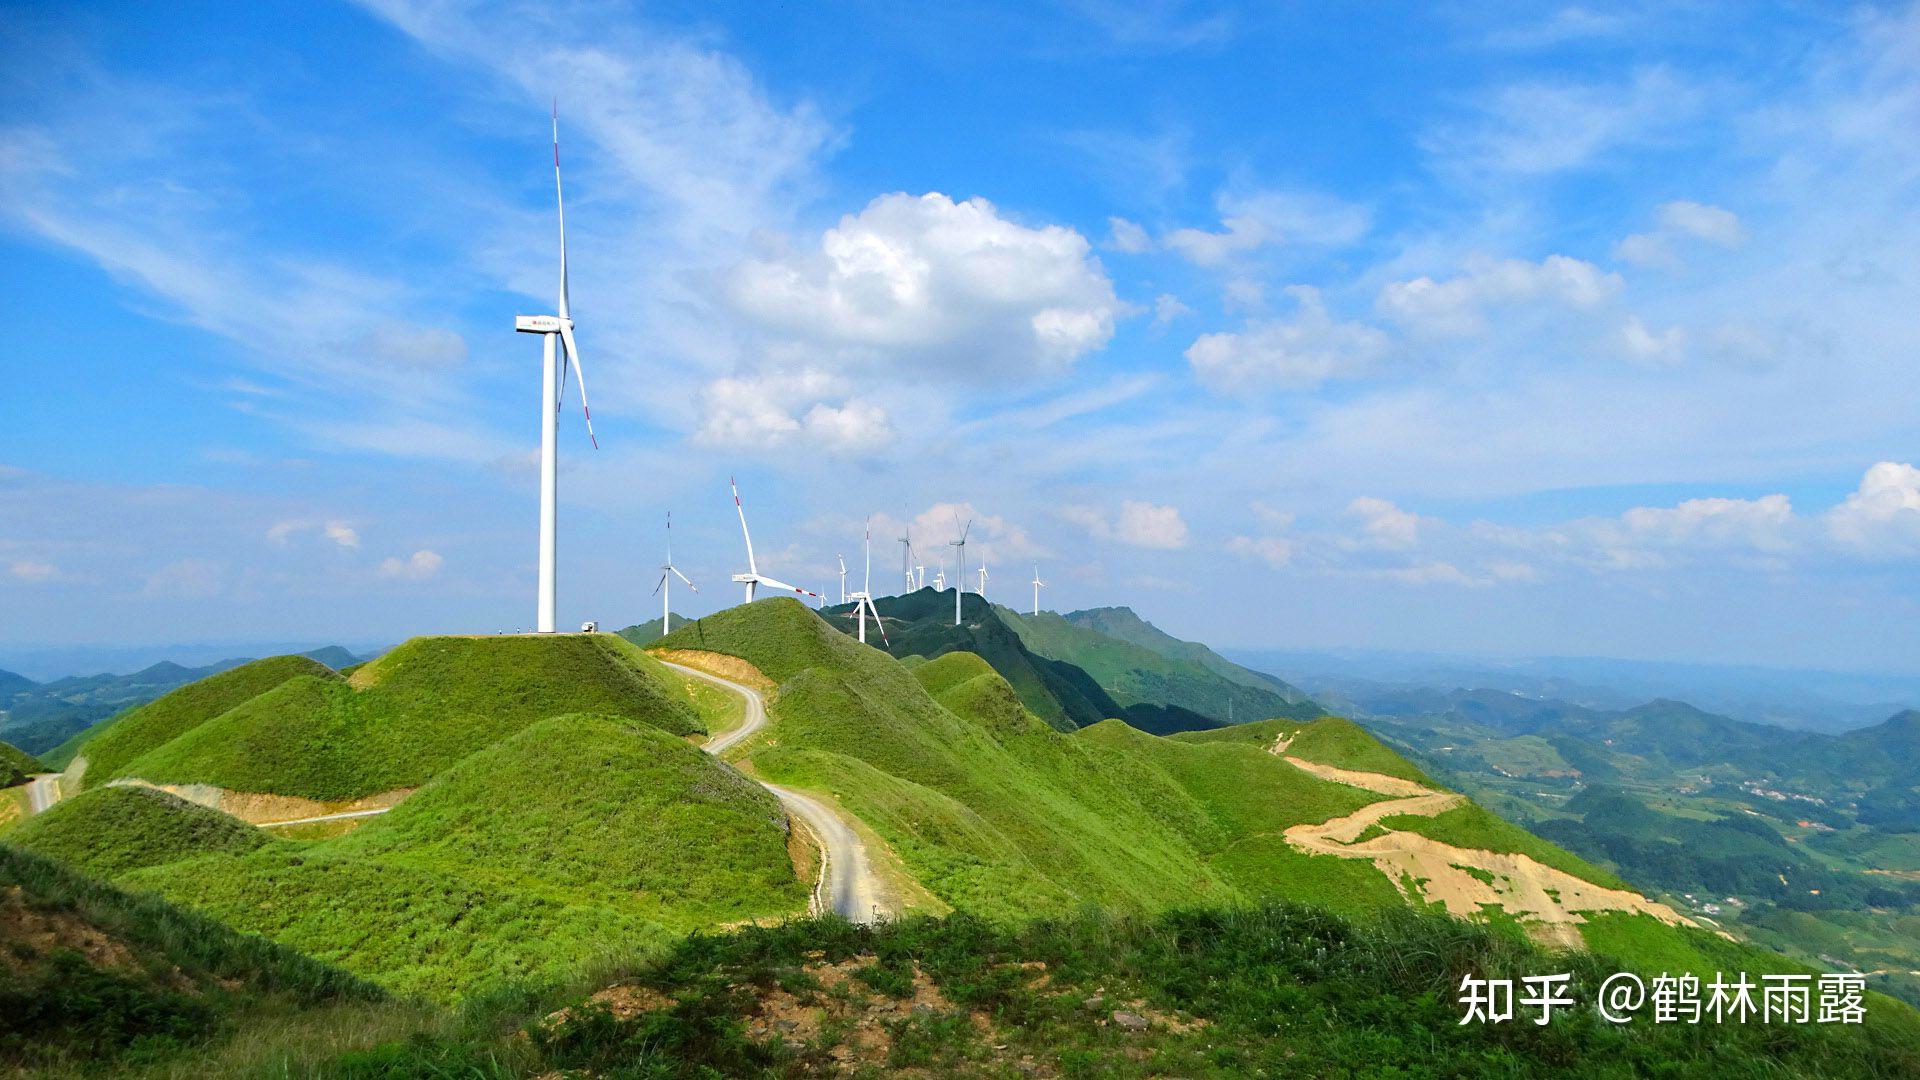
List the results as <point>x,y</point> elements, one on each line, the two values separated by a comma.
<point>541,324</point>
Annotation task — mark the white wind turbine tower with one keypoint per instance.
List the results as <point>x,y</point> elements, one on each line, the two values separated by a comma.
<point>843,578</point>
<point>919,577</point>
<point>983,576</point>
<point>667,573</point>
<point>1037,586</point>
<point>863,600</point>
<point>753,577</point>
<point>960,575</point>
<point>906,556</point>
<point>556,333</point>
<point>939,578</point>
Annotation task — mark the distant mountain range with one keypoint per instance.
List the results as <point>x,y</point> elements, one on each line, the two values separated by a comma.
<point>1804,699</point>
<point>39,716</point>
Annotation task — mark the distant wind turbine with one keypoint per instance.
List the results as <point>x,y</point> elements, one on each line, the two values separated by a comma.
<point>863,600</point>
<point>939,578</point>
<point>668,572</point>
<point>960,571</point>
<point>919,577</point>
<point>983,578</point>
<point>843,577</point>
<point>1037,586</point>
<point>906,556</point>
<point>753,577</point>
<point>555,331</point>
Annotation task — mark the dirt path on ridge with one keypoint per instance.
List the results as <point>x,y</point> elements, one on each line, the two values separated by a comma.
<point>847,885</point>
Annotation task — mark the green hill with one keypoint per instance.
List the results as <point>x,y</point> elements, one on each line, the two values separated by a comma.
<point>152,725</point>
<point>16,765</point>
<point>998,814</point>
<point>96,980</point>
<point>112,830</point>
<point>403,718</point>
<point>645,633</point>
<point>1123,623</point>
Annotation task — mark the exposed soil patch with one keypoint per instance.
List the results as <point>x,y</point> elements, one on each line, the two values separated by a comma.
<point>1549,902</point>
<point>713,663</point>
<point>32,935</point>
<point>261,808</point>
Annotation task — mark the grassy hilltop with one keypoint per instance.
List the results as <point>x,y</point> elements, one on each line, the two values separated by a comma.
<point>558,823</point>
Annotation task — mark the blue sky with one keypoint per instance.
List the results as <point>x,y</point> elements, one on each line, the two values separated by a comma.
<point>1506,329</point>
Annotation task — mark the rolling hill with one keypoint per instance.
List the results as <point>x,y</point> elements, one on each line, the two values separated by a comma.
<point>16,765</point>
<point>1074,675</point>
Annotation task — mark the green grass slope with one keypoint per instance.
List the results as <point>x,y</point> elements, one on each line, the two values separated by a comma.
<point>112,830</point>
<point>98,981</point>
<point>921,624</point>
<point>405,717</point>
<point>111,748</point>
<point>16,765</point>
<point>998,813</point>
<point>1123,623</point>
<point>576,839</point>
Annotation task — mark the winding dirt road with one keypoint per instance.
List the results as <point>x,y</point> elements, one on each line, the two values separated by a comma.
<point>847,885</point>
<point>42,791</point>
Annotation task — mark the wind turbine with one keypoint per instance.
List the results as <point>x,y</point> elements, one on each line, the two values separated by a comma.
<point>939,578</point>
<point>753,577</point>
<point>983,578</point>
<point>919,577</point>
<point>863,600</point>
<point>960,556</point>
<point>906,556</point>
<point>1037,586</point>
<point>667,573</point>
<point>843,578</point>
<point>556,333</point>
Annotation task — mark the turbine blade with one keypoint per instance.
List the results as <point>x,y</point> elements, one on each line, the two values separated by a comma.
<point>751,568</point>
<point>658,587</point>
<point>683,577</point>
<point>573,352</point>
<point>560,200</point>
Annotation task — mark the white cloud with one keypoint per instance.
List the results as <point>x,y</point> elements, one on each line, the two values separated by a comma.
<point>1275,551</point>
<point>419,566</point>
<point>1166,308</point>
<point>1250,221</point>
<point>1760,523</point>
<point>1301,352</point>
<point>808,407</point>
<point>1383,524</point>
<point>190,579</point>
<point>30,570</point>
<point>1128,237</point>
<point>1458,305</point>
<point>1427,573</point>
<point>1139,524</point>
<point>990,537</point>
<point>1880,518</point>
<point>932,281</point>
<point>339,532</point>
<point>1541,128</point>
<point>1677,221</point>
<point>1652,348</point>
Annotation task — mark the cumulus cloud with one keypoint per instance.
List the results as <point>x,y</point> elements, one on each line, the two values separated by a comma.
<point>1680,221</point>
<point>1166,308</point>
<point>927,279</point>
<point>808,407</point>
<point>1138,524</point>
<point>1275,551</point>
<point>33,571</point>
<point>1880,518</point>
<point>1458,306</point>
<point>1297,353</point>
<point>419,566</point>
<point>1755,523</point>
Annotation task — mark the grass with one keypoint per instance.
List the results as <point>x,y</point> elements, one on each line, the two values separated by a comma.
<point>412,713</point>
<point>114,746</point>
<point>577,837</point>
<point>1263,990</point>
<point>110,831</point>
<point>95,975</point>
<point>16,765</point>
